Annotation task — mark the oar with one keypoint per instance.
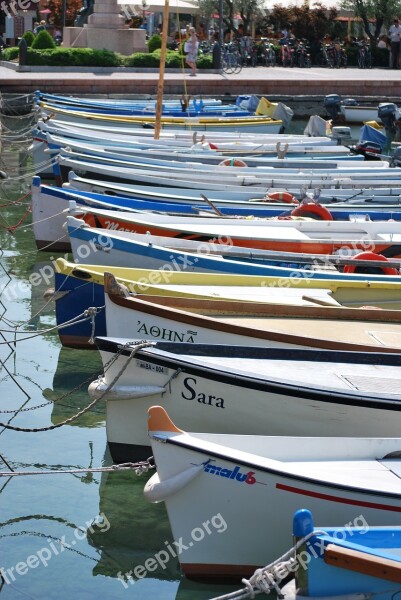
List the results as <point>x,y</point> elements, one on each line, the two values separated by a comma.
<point>216,210</point>
<point>319,301</point>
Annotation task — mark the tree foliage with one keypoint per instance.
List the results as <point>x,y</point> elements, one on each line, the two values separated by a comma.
<point>72,8</point>
<point>305,22</point>
<point>246,10</point>
<point>375,14</point>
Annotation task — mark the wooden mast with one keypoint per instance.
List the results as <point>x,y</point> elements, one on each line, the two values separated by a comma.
<point>159,101</point>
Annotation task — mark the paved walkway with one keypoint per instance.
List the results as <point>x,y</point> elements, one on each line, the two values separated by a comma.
<point>268,81</point>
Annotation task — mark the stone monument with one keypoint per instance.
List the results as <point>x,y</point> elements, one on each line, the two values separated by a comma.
<point>106,30</point>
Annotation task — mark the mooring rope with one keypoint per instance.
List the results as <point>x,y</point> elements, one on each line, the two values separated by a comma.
<point>137,346</point>
<point>38,169</point>
<point>89,314</point>
<point>267,579</point>
<point>139,467</point>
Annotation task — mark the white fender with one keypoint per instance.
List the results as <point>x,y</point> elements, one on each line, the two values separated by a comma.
<point>98,387</point>
<point>157,491</point>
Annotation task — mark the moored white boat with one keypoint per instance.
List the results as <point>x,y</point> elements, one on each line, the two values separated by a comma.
<point>246,489</point>
<point>309,236</point>
<point>287,391</point>
<point>229,123</point>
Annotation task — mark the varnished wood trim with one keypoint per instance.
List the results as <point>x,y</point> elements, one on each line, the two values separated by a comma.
<point>360,562</point>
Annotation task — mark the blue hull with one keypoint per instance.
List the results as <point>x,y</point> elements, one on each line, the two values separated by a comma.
<point>348,560</point>
<point>165,205</point>
<point>81,296</point>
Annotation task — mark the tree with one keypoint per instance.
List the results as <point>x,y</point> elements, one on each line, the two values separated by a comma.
<point>380,12</point>
<point>248,11</point>
<point>305,22</point>
<point>72,7</point>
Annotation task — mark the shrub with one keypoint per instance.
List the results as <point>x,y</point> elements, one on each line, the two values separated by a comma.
<point>154,42</point>
<point>174,60</point>
<point>380,57</point>
<point>28,37</point>
<point>352,56</point>
<point>142,60</point>
<point>43,40</point>
<point>10,53</point>
<point>73,57</point>
<point>205,62</point>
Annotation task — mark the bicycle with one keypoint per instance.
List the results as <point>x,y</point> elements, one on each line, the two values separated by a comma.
<point>267,52</point>
<point>301,54</point>
<point>287,55</point>
<point>231,62</point>
<point>364,55</point>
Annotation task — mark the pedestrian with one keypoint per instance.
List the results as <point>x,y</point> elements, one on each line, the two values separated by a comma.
<point>395,40</point>
<point>41,27</point>
<point>191,48</point>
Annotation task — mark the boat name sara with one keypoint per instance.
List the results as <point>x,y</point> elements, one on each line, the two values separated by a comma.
<point>166,334</point>
<point>202,398</point>
<point>234,473</point>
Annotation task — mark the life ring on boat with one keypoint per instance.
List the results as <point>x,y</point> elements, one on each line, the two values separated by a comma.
<point>281,197</point>
<point>312,210</point>
<point>232,162</point>
<point>372,270</point>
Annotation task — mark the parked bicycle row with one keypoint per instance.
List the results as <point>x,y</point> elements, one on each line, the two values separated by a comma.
<point>292,52</point>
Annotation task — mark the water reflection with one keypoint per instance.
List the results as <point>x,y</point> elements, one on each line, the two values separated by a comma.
<point>75,370</point>
<point>138,530</point>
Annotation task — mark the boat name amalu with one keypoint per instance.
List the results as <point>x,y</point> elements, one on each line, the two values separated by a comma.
<point>191,394</point>
<point>234,473</point>
<point>166,334</point>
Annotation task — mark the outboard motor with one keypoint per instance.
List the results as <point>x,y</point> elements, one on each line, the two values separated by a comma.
<point>332,104</point>
<point>350,102</point>
<point>370,150</point>
<point>396,158</point>
<point>387,112</point>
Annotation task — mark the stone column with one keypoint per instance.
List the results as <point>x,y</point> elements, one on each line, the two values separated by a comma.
<point>105,30</point>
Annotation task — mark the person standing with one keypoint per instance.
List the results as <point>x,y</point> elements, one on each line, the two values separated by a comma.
<point>395,40</point>
<point>191,48</point>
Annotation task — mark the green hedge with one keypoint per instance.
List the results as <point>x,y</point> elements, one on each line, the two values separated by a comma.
<point>379,57</point>
<point>43,40</point>
<point>10,53</point>
<point>73,57</point>
<point>142,60</point>
<point>154,42</point>
<point>28,37</point>
<point>87,57</point>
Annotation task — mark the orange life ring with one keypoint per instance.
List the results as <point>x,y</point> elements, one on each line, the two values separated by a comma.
<point>370,256</point>
<point>281,197</point>
<point>313,210</point>
<point>232,162</point>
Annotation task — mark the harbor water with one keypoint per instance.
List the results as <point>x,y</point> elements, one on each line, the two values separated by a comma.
<point>65,535</point>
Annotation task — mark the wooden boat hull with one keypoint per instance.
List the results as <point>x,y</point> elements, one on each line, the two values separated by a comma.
<point>78,288</point>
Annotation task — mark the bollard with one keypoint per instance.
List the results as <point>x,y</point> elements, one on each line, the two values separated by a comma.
<point>216,61</point>
<point>23,48</point>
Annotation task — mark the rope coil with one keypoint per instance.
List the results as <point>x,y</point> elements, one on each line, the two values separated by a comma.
<point>266,579</point>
